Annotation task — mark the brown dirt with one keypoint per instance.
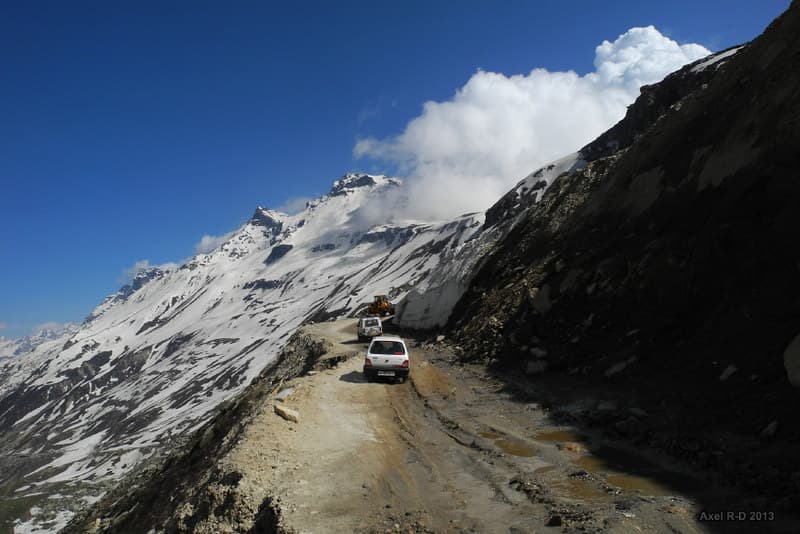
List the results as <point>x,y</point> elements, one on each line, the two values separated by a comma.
<point>451,450</point>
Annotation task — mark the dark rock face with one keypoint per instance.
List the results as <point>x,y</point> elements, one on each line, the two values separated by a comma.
<point>261,217</point>
<point>670,261</point>
<point>388,236</point>
<point>277,253</point>
<point>141,278</point>
<point>262,284</point>
<point>351,181</point>
<point>324,247</point>
<point>654,101</point>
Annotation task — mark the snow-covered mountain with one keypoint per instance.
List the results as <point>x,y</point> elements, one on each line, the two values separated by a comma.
<point>154,360</point>
<point>18,346</point>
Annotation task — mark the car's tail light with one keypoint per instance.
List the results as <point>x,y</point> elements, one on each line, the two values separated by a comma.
<point>405,364</point>
<point>367,362</point>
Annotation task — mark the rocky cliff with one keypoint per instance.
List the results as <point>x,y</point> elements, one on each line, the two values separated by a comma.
<point>666,270</point>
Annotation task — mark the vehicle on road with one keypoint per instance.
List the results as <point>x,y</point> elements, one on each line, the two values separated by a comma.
<point>387,357</point>
<point>381,305</point>
<point>369,327</point>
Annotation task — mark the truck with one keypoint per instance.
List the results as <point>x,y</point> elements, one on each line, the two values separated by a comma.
<point>381,306</point>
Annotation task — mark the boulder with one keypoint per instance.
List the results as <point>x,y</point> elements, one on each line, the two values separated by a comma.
<point>287,413</point>
<point>615,369</point>
<point>535,367</point>
<point>791,360</point>
<point>540,298</point>
<point>728,372</point>
<point>770,430</point>
<point>538,353</point>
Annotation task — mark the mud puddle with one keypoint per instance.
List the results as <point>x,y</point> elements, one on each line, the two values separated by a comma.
<point>558,435</point>
<point>635,473</point>
<point>509,446</point>
<point>580,490</point>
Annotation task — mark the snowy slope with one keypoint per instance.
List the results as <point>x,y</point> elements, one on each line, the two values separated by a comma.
<point>18,346</point>
<point>154,360</point>
<point>431,301</point>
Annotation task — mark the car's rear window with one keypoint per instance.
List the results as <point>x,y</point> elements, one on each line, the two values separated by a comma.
<point>387,347</point>
<point>371,322</point>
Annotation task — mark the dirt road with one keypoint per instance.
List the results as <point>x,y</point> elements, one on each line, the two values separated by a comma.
<point>451,450</point>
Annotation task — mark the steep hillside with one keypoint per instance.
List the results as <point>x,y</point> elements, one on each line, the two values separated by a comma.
<point>430,303</point>
<point>666,272</point>
<point>154,361</point>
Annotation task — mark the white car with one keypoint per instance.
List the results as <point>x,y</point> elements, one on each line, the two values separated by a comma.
<point>387,356</point>
<point>369,327</point>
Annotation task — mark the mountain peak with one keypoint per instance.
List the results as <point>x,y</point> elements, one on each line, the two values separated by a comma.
<point>267,218</point>
<point>352,181</point>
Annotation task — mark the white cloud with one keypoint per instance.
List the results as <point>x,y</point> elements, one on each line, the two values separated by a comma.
<point>461,155</point>
<point>143,265</point>
<point>293,205</point>
<point>129,273</point>
<point>210,242</point>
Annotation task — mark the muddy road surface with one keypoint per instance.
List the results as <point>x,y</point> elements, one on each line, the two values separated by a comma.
<point>450,450</point>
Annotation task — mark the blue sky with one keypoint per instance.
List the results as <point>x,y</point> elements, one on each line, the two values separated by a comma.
<point>129,130</point>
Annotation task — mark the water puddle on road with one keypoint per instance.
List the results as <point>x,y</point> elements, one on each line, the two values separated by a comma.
<point>558,435</point>
<point>634,473</point>
<point>579,489</point>
<point>515,448</point>
<point>509,446</point>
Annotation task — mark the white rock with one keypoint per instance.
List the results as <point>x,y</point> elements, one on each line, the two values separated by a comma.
<point>284,393</point>
<point>287,413</point>
<point>728,372</point>
<point>536,367</point>
<point>791,360</point>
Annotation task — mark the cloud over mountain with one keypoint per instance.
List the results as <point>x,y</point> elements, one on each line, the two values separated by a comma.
<point>464,153</point>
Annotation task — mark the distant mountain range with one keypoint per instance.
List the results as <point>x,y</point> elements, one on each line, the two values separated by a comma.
<point>19,346</point>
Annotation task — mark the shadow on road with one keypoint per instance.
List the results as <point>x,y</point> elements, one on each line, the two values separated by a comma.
<point>357,377</point>
<point>353,342</point>
<point>574,402</point>
<point>353,377</point>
